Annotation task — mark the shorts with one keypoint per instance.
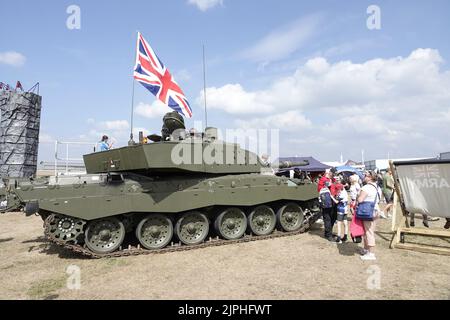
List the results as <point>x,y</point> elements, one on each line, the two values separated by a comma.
<point>341,209</point>
<point>341,217</point>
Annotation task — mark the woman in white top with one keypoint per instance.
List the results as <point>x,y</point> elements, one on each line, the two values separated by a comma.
<point>369,193</point>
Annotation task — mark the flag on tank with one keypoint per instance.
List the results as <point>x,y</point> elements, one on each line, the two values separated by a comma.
<point>156,78</point>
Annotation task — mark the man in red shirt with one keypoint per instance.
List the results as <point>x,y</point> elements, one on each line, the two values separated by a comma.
<point>329,177</point>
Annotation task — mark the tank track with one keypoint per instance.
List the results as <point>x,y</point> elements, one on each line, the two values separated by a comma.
<point>173,247</point>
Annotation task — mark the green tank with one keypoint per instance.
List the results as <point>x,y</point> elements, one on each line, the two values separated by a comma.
<point>180,191</point>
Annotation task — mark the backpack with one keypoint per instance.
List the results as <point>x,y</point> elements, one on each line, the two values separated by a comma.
<point>325,200</point>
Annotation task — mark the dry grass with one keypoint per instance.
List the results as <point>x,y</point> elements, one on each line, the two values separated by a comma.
<point>297,267</point>
<point>45,289</point>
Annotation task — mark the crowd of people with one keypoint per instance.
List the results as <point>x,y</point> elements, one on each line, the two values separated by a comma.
<point>361,198</point>
<point>340,197</point>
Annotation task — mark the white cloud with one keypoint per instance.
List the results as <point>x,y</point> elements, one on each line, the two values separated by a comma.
<point>399,105</point>
<point>155,110</point>
<point>118,125</point>
<point>116,130</point>
<point>12,58</point>
<point>284,41</point>
<point>234,99</point>
<point>182,75</point>
<point>343,86</point>
<point>204,5</point>
<point>317,65</point>
<point>354,45</point>
<point>289,121</point>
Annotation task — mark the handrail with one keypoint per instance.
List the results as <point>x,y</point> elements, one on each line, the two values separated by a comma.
<point>66,159</point>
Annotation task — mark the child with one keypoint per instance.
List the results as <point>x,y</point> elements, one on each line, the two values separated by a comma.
<point>342,210</point>
<point>354,190</point>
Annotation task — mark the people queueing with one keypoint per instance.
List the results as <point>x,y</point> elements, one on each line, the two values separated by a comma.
<point>333,199</point>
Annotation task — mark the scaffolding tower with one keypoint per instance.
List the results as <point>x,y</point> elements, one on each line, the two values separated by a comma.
<point>19,133</point>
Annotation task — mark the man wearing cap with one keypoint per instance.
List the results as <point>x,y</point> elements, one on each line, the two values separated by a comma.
<point>328,202</point>
<point>329,177</point>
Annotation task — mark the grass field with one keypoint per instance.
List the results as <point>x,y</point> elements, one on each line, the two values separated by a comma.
<point>296,267</point>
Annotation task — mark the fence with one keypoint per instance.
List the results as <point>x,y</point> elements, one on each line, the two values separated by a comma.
<point>71,165</point>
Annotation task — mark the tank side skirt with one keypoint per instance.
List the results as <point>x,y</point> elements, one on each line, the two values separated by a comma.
<point>95,201</point>
<point>132,251</point>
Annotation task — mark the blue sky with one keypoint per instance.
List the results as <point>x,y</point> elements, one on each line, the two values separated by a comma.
<point>311,69</point>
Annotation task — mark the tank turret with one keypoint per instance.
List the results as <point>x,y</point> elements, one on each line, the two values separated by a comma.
<point>176,151</point>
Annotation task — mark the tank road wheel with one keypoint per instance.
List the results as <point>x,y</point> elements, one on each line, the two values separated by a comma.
<point>67,229</point>
<point>192,228</point>
<point>262,220</point>
<point>231,223</point>
<point>155,231</point>
<point>104,235</point>
<point>290,217</point>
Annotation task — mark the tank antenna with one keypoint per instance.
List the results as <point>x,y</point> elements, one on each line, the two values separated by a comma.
<point>131,142</point>
<point>204,87</point>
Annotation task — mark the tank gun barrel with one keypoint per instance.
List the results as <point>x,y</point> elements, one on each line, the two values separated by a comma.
<point>289,164</point>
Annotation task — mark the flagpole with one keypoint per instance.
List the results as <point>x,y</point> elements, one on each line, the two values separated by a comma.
<point>132,112</point>
<point>204,87</point>
<point>131,142</point>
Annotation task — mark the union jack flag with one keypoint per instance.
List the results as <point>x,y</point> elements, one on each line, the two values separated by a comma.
<point>156,78</point>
